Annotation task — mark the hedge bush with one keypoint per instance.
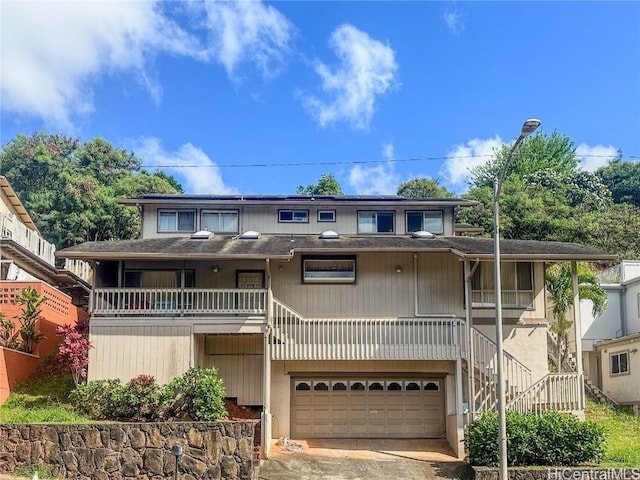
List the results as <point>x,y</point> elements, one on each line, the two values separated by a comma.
<point>197,395</point>
<point>552,439</point>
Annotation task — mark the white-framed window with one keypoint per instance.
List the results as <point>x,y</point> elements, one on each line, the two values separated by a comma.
<point>293,216</point>
<point>176,220</point>
<point>326,215</point>
<point>430,220</point>
<point>619,363</point>
<point>340,269</point>
<point>375,222</point>
<point>517,285</point>
<point>219,221</point>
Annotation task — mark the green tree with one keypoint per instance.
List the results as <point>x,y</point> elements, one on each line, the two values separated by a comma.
<point>421,187</point>
<point>71,189</point>
<point>327,185</point>
<point>559,281</point>
<point>538,152</point>
<point>623,179</point>
<point>543,191</point>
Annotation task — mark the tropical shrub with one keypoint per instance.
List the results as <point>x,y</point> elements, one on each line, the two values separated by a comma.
<point>552,439</point>
<point>196,395</point>
<point>8,333</point>
<point>100,399</point>
<point>73,352</point>
<point>29,317</point>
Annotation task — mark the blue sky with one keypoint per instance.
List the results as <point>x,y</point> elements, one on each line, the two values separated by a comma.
<point>260,97</point>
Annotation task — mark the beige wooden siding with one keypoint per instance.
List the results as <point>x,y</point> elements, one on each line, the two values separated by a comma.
<point>125,352</point>
<point>440,284</point>
<point>379,290</point>
<point>264,218</point>
<point>239,360</point>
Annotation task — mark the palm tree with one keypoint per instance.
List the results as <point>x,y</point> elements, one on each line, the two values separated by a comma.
<point>559,280</point>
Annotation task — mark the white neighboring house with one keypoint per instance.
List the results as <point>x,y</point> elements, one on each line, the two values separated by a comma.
<point>611,341</point>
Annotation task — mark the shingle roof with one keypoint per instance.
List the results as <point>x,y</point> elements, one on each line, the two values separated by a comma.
<point>285,246</point>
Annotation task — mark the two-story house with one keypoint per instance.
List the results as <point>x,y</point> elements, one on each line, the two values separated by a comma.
<point>27,260</point>
<point>342,317</point>
<point>611,342</point>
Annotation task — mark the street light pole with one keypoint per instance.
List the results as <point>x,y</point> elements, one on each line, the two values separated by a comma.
<point>528,127</point>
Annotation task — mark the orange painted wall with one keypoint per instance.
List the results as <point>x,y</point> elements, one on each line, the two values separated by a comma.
<point>57,310</point>
<point>14,368</point>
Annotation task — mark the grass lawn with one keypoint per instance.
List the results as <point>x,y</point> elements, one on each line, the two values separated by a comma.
<point>45,400</point>
<point>623,435</point>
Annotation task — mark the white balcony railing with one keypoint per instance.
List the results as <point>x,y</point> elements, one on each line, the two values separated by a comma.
<point>80,268</point>
<point>556,391</point>
<point>296,338</point>
<point>518,377</point>
<point>12,228</point>
<point>177,301</point>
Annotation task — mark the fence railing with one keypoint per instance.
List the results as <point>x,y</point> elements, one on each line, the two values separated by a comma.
<point>80,268</point>
<point>517,376</point>
<point>11,227</point>
<point>294,337</point>
<point>177,301</point>
<point>555,391</point>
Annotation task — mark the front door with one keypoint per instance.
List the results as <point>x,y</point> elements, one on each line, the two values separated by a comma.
<point>251,279</point>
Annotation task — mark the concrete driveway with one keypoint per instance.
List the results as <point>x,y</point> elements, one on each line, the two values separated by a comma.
<point>364,460</point>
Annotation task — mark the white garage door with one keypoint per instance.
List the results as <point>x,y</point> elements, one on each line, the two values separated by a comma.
<point>367,408</point>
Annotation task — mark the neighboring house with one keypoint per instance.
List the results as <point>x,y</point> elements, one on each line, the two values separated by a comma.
<point>610,342</point>
<point>27,260</point>
<point>342,317</point>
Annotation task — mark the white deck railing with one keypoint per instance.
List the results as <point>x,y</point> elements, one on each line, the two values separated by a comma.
<point>555,391</point>
<point>294,337</point>
<point>177,301</point>
<point>80,268</point>
<point>518,377</point>
<point>11,227</point>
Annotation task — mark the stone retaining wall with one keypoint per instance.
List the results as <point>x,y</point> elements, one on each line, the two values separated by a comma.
<point>559,473</point>
<point>131,450</point>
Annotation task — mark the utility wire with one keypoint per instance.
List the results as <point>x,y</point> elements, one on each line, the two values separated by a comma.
<point>346,162</point>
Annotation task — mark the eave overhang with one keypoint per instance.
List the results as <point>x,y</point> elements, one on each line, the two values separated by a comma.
<point>284,247</point>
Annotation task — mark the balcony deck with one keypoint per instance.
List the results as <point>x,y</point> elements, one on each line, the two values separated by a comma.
<point>191,302</point>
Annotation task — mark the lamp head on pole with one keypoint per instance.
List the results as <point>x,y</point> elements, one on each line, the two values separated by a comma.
<point>529,126</point>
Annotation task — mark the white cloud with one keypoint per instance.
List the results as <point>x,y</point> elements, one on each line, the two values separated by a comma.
<point>592,158</point>
<point>379,180</point>
<point>189,164</point>
<point>462,158</point>
<point>367,69</point>
<point>453,20</point>
<point>52,52</point>
<point>55,52</point>
<point>247,31</point>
